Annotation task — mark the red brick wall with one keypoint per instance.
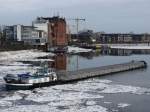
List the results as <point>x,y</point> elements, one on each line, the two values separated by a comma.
<point>61,38</point>
<point>57,33</point>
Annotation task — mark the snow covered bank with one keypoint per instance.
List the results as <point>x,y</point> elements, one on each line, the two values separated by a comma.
<point>22,55</point>
<point>77,50</point>
<point>131,47</point>
<point>9,61</point>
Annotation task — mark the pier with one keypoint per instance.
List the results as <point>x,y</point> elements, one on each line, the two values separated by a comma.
<point>100,71</point>
<point>70,76</point>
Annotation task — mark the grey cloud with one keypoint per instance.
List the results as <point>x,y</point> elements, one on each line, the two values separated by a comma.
<point>107,15</point>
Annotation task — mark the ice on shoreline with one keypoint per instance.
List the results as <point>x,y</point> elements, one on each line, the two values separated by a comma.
<point>77,50</point>
<point>130,47</point>
<point>22,55</point>
<point>9,61</point>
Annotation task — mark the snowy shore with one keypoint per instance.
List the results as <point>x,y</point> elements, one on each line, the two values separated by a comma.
<point>22,55</point>
<point>132,47</point>
<point>77,50</point>
<point>10,61</point>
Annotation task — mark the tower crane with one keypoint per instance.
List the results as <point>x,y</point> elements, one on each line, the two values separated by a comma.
<point>77,22</point>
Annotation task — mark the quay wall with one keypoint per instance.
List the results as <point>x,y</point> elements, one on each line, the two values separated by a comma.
<point>100,71</point>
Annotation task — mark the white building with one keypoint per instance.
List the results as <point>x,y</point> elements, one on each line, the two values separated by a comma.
<point>41,24</point>
<point>28,34</point>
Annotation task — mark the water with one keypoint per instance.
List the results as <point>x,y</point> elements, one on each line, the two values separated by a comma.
<point>121,92</point>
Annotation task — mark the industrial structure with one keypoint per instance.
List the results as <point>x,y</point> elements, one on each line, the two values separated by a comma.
<point>90,37</point>
<point>44,31</point>
<point>55,28</point>
<point>54,34</point>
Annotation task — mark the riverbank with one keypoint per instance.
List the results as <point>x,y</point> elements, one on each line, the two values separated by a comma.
<point>132,47</point>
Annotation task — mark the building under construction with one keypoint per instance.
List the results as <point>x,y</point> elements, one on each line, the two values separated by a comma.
<point>56,30</point>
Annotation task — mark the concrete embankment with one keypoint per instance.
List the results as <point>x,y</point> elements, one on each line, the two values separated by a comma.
<point>66,77</point>
<point>100,71</point>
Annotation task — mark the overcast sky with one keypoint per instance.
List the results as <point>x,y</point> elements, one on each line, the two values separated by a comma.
<point>101,15</point>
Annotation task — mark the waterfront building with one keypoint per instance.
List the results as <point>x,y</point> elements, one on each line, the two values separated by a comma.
<point>122,38</point>
<point>41,24</point>
<point>55,28</point>
<point>27,34</point>
<point>86,36</point>
<point>8,32</point>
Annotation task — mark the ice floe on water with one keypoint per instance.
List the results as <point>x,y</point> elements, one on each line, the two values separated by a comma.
<point>77,97</point>
<point>10,61</point>
<point>72,49</point>
<point>47,108</point>
<point>22,55</point>
<point>5,103</point>
<point>123,105</point>
<point>107,102</point>
<point>54,94</point>
<point>95,108</point>
<point>30,108</point>
<point>7,100</point>
<point>124,89</point>
<point>90,103</point>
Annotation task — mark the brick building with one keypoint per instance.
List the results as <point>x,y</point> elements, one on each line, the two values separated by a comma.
<point>56,30</point>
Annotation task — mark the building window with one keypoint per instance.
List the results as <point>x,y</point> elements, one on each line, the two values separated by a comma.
<point>37,40</point>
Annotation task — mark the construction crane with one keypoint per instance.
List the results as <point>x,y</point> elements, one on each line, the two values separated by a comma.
<point>77,22</point>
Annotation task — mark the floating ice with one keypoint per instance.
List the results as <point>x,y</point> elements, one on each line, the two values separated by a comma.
<point>124,89</point>
<point>77,50</point>
<point>107,102</point>
<point>9,61</point>
<point>114,110</point>
<point>22,55</point>
<point>5,103</point>
<point>47,108</point>
<point>52,94</point>
<point>95,108</point>
<point>31,108</point>
<point>123,105</point>
<point>12,97</point>
<point>77,97</point>
<point>90,103</point>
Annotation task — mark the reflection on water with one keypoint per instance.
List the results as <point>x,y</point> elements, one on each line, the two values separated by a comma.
<point>63,62</point>
<point>60,62</point>
<point>123,52</point>
<point>70,62</point>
